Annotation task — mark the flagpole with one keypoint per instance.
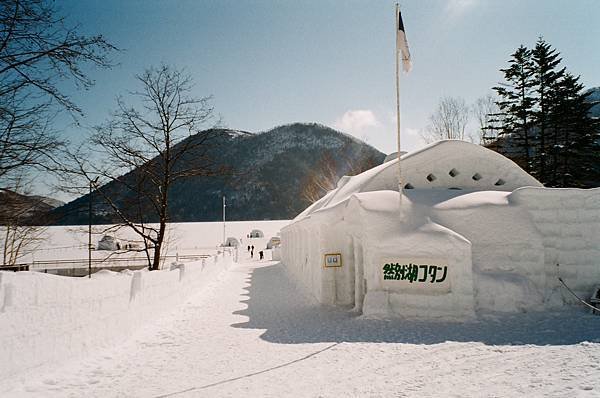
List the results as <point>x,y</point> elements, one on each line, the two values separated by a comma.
<point>400,193</point>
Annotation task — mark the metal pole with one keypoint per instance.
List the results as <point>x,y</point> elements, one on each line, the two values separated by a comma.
<point>398,109</point>
<point>224,220</point>
<point>90,233</point>
<point>90,229</point>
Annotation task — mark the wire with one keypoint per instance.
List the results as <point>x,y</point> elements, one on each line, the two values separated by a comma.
<point>577,297</point>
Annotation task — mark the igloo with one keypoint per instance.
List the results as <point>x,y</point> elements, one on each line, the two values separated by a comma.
<point>476,233</point>
<point>231,242</point>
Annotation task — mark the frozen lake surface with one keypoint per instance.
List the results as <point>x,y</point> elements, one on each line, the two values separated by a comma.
<point>70,243</point>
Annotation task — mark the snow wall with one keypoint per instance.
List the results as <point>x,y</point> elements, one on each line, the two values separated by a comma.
<point>457,249</point>
<point>46,319</point>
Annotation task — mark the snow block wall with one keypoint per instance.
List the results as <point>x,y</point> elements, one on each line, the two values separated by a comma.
<point>410,267</point>
<point>507,249</point>
<point>524,240</point>
<point>568,221</point>
<point>62,317</point>
<point>455,249</point>
<point>303,262</point>
<point>366,232</point>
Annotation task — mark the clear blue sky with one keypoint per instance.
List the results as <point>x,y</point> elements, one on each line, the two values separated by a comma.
<point>274,62</point>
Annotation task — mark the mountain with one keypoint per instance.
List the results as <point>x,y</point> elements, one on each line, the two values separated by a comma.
<point>53,203</point>
<point>270,173</point>
<point>16,208</point>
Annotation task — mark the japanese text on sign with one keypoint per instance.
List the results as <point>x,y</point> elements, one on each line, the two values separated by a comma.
<point>424,273</point>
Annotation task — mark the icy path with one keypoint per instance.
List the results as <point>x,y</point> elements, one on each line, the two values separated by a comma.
<point>252,333</point>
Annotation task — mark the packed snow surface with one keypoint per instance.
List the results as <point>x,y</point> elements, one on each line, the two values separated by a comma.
<point>252,332</point>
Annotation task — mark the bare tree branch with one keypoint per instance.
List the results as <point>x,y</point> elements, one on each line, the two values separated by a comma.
<point>329,169</point>
<point>449,121</point>
<point>17,236</point>
<point>486,113</point>
<point>38,53</point>
<point>143,150</point>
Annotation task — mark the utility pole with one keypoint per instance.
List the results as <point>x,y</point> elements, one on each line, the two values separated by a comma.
<point>92,183</point>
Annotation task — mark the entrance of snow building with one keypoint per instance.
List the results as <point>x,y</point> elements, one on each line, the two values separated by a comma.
<point>360,283</point>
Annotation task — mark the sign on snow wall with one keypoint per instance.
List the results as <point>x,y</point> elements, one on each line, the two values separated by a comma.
<point>421,275</point>
<point>333,260</point>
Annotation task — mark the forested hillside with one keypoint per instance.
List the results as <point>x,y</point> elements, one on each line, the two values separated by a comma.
<point>267,177</point>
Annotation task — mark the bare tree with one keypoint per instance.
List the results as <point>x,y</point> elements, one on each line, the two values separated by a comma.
<point>328,171</point>
<point>322,179</point>
<point>38,53</point>
<point>449,121</point>
<point>144,149</point>
<point>18,238</point>
<point>487,114</point>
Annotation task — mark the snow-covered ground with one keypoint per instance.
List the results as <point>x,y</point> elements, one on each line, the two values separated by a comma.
<point>252,332</point>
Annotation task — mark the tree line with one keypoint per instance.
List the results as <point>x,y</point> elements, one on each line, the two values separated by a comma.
<point>539,117</point>
<point>544,120</point>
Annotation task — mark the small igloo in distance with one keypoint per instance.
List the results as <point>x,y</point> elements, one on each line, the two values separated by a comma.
<point>257,233</point>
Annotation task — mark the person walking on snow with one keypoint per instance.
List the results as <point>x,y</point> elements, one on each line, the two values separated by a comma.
<point>261,254</point>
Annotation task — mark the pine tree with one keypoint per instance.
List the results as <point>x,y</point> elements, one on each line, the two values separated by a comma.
<point>516,106</point>
<point>576,148</point>
<point>545,60</point>
<point>544,120</point>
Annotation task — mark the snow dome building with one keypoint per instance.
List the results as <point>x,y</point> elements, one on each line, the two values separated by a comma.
<point>476,233</point>
<point>231,242</point>
<point>256,233</point>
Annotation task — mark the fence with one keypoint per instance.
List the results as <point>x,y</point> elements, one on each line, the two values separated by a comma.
<point>79,267</point>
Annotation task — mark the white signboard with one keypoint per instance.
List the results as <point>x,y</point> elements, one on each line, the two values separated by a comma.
<point>415,274</point>
<point>333,260</point>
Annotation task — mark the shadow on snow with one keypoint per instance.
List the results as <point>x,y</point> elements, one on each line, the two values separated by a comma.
<point>276,304</point>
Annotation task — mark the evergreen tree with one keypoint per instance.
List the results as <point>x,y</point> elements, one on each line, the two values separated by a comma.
<point>516,106</point>
<point>545,60</point>
<point>576,150</point>
<point>544,120</point>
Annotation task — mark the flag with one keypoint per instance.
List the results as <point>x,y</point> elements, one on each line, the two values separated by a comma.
<point>402,45</point>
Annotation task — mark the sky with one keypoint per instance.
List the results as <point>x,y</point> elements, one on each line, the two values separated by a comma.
<point>268,63</point>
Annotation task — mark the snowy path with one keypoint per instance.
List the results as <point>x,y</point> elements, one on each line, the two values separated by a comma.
<point>252,333</point>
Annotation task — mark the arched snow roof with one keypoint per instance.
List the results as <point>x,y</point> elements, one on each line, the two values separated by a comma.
<point>450,164</point>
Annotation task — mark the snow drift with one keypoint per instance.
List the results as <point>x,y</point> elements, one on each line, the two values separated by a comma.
<point>60,317</point>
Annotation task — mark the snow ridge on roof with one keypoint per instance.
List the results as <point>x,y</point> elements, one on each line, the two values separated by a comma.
<point>447,164</point>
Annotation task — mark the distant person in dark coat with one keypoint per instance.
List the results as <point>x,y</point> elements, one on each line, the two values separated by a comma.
<point>261,254</point>
<point>248,247</point>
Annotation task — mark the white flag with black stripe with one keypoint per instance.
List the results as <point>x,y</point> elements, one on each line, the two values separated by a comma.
<point>402,44</point>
